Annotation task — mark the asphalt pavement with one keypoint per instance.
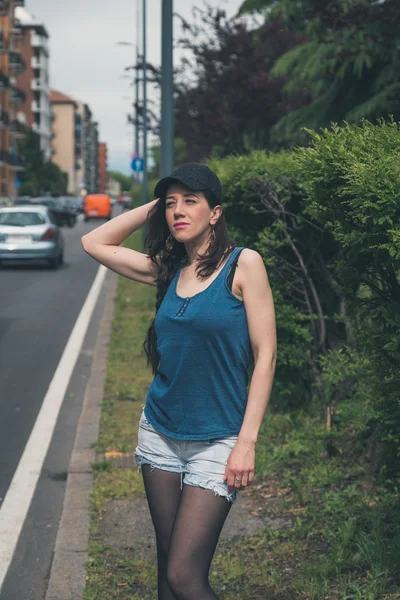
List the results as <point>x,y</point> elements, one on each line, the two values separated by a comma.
<point>38,310</point>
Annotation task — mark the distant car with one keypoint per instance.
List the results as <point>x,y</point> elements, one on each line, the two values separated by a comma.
<point>21,202</point>
<point>126,201</point>
<point>97,206</point>
<point>30,232</point>
<point>71,203</point>
<point>64,215</point>
<point>5,202</point>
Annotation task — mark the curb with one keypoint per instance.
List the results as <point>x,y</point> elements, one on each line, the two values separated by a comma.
<point>68,569</point>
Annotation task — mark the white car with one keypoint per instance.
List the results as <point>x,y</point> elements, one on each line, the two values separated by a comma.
<point>30,232</point>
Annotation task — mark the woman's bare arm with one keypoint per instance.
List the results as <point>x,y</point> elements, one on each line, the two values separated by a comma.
<point>103,244</point>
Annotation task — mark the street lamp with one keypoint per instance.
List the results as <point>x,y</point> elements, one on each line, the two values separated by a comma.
<point>136,81</point>
<point>167,117</point>
<point>144,53</point>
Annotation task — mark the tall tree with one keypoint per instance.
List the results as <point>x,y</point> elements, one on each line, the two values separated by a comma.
<point>124,180</point>
<point>40,176</point>
<point>348,61</point>
<point>225,98</point>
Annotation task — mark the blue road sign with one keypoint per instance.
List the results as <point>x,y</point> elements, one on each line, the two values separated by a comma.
<point>137,164</point>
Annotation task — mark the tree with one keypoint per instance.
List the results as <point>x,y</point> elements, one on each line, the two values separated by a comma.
<point>229,102</point>
<point>352,178</point>
<point>124,180</point>
<point>180,153</point>
<point>40,176</point>
<point>348,61</point>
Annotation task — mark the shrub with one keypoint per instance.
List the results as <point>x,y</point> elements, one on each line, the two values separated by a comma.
<point>352,177</point>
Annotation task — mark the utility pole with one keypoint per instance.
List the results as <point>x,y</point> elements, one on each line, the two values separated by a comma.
<point>167,108</point>
<point>137,77</point>
<point>136,107</point>
<point>144,58</point>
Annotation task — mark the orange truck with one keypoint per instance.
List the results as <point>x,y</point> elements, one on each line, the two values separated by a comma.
<point>97,206</point>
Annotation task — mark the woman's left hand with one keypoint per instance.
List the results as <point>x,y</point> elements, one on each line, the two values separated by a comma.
<point>240,465</point>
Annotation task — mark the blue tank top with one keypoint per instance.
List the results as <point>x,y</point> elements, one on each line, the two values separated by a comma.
<point>200,388</point>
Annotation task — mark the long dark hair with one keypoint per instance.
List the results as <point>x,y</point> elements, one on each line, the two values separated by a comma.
<point>169,261</point>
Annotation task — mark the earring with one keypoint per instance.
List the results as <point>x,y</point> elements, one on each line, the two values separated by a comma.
<point>213,236</point>
<point>169,243</point>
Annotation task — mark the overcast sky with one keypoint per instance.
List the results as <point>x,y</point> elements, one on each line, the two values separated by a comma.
<point>86,63</point>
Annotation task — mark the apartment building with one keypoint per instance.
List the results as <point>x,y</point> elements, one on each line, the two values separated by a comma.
<point>87,172</point>
<point>11,98</point>
<point>34,81</point>
<point>103,177</point>
<point>114,188</point>
<point>94,132</point>
<point>67,137</point>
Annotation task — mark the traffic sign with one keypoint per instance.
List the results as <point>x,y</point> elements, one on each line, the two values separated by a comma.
<point>137,164</point>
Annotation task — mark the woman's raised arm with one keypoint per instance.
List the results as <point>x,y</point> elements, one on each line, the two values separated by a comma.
<point>103,244</point>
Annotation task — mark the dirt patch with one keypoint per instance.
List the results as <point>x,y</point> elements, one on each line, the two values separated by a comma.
<point>127,523</point>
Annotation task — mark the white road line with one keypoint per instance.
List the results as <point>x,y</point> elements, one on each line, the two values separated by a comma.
<point>19,495</point>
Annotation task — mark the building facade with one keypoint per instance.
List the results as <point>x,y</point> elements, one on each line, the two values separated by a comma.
<point>11,98</point>
<point>95,142</point>
<point>114,188</point>
<point>87,172</point>
<point>67,137</point>
<point>34,81</point>
<point>103,177</point>
<point>91,150</point>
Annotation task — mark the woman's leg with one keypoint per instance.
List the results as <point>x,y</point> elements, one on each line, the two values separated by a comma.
<point>163,491</point>
<point>198,524</point>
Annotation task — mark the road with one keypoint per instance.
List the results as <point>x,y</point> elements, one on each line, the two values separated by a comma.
<point>38,310</point>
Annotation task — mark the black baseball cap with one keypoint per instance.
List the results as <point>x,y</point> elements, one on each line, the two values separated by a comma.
<point>194,176</point>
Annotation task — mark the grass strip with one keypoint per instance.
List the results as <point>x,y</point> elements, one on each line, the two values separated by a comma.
<point>341,539</point>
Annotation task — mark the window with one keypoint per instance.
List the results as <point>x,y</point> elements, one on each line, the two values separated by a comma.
<point>22,219</point>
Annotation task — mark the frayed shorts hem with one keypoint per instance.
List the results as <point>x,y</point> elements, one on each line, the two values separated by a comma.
<point>190,478</point>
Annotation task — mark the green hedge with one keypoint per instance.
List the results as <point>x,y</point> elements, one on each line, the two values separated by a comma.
<point>352,178</point>
<point>326,220</point>
<point>249,184</point>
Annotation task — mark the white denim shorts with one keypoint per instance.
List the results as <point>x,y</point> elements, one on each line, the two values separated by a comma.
<point>200,462</point>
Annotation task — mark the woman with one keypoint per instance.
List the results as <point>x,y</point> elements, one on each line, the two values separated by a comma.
<point>199,425</point>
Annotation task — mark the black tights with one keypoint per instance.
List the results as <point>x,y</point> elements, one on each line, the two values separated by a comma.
<point>187,525</point>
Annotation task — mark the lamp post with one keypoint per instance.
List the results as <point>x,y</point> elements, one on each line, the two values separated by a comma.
<point>167,117</point>
<point>136,97</point>
<point>144,53</point>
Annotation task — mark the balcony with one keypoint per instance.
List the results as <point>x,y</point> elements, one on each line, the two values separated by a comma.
<point>3,157</point>
<point>42,130</point>
<point>3,43</point>
<point>4,82</point>
<point>40,41</point>
<point>17,30</point>
<point>38,62</point>
<point>16,63</point>
<point>4,8</point>
<point>17,129</point>
<point>17,96</point>
<point>38,84</point>
<point>4,119</point>
<point>17,163</point>
<point>37,107</point>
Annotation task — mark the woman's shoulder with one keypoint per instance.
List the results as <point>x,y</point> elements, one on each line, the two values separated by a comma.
<point>249,265</point>
<point>248,256</point>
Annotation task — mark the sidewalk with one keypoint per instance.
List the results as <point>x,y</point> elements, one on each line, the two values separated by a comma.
<point>126,525</point>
